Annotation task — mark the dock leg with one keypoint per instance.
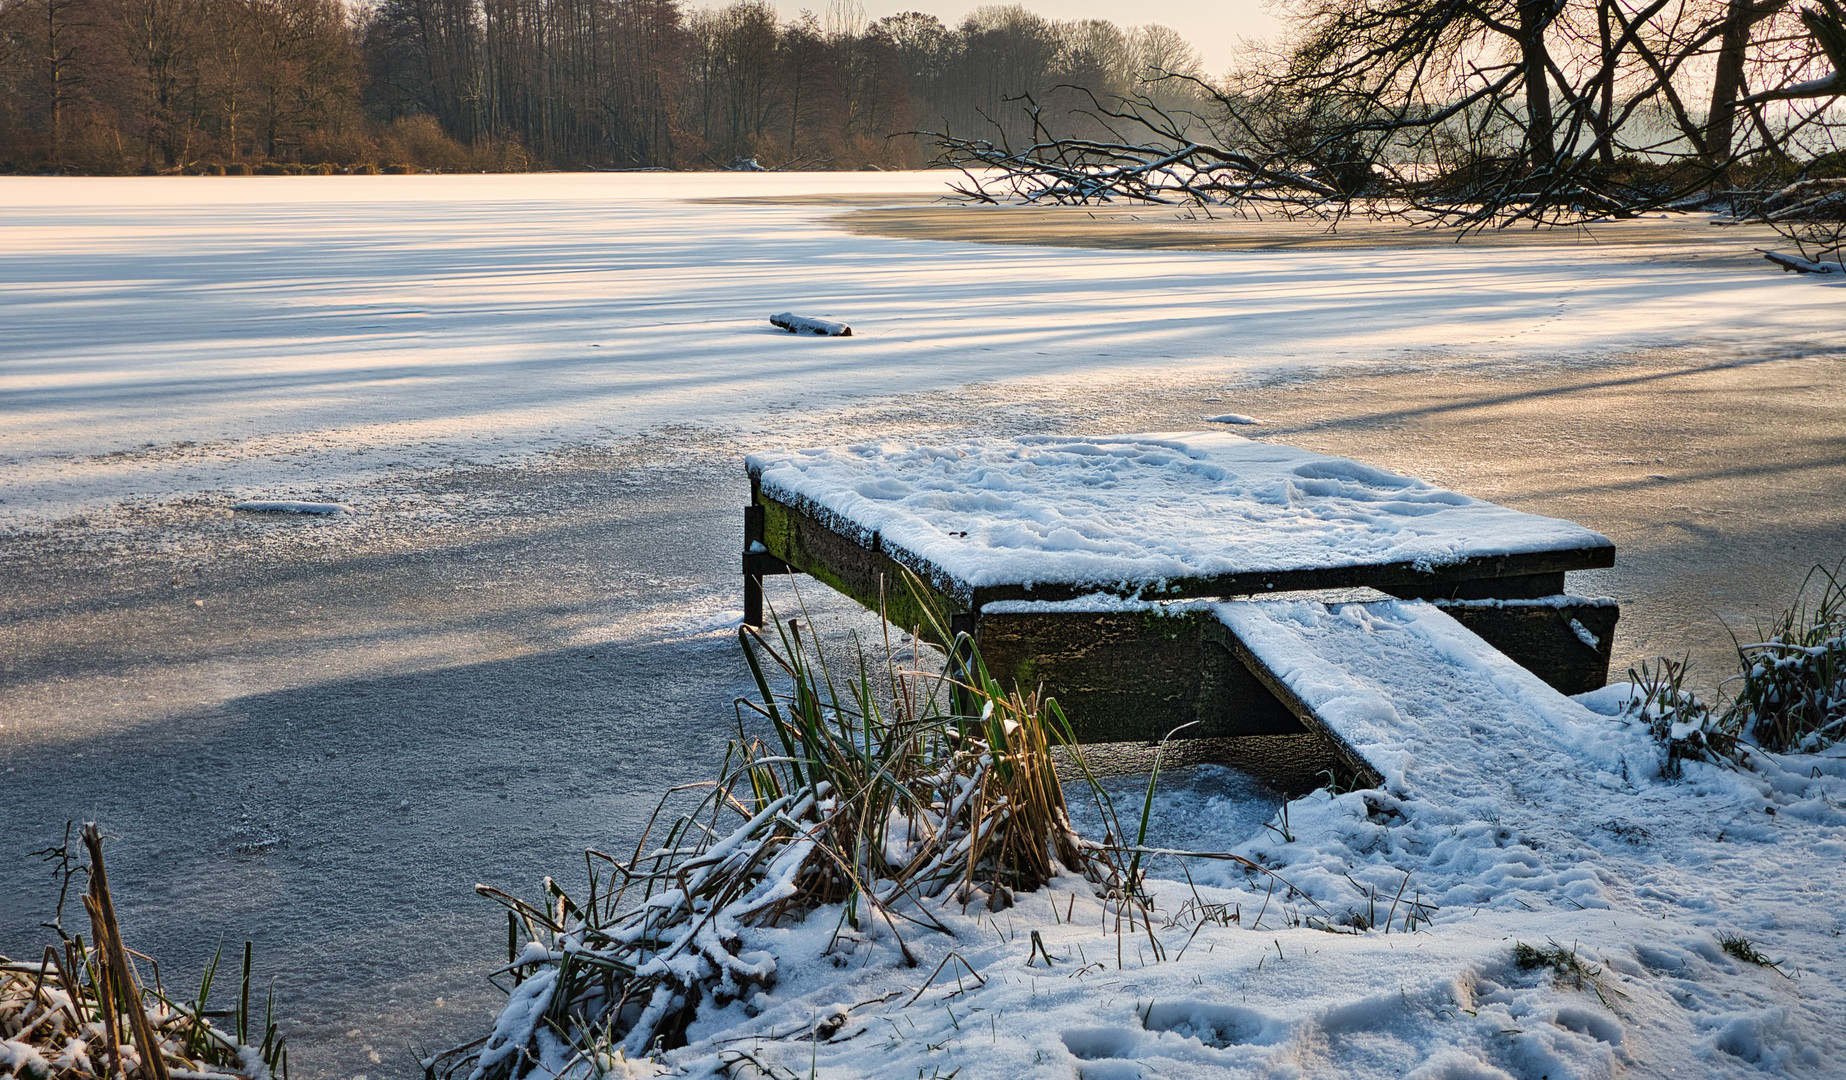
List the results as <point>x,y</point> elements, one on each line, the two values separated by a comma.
<point>961,662</point>
<point>753,583</point>
<point>753,600</point>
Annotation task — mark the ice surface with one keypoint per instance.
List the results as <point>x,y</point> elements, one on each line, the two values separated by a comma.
<point>280,337</point>
<point>1136,511</point>
<point>302,337</point>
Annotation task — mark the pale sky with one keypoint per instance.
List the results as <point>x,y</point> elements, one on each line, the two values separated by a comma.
<point>1212,26</point>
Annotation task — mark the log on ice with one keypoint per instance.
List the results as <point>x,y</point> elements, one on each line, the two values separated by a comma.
<point>1796,264</point>
<point>802,324</point>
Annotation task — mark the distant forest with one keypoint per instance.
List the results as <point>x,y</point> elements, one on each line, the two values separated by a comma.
<point>160,86</point>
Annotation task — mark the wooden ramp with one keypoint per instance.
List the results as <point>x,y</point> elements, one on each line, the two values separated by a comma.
<point>1411,699</point>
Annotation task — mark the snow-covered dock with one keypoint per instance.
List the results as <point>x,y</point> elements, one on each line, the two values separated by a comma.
<point>1079,564</point>
<point>1161,516</point>
<point>1402,690</point>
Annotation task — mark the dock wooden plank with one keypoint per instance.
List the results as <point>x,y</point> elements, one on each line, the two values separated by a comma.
<point>1157,517</point>
<point>1407,691</point>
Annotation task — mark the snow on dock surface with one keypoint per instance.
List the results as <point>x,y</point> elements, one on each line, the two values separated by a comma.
<point>1423,699</point>
<point>1141,509</point>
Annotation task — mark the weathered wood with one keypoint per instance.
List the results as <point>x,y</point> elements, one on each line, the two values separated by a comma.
<point>756,563</point>
<point>1303,711</point>
<point>1534,573</point>
<point>1502,587</point>
<point>1796,264</point>
<point>1293,764</point>
<point>1128,676</point>
<point>861,571</point>
<point>802,324</point>
<point>1519,575</point>
<point>1548,637</point>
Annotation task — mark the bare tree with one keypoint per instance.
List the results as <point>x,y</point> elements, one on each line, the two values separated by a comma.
<point>1481,113</point>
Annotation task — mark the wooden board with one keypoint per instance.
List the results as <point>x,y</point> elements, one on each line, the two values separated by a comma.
<point>855,568</point>
<point>1173,516</point>
<point>1406,692</point>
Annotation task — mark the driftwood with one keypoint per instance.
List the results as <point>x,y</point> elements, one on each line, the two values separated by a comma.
<point>802,324</point>
<point>1795,264</point>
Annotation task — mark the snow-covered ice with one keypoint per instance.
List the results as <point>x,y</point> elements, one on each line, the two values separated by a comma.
<point>279,337</point>
<point>1133,511</point>
<point>293,339</point>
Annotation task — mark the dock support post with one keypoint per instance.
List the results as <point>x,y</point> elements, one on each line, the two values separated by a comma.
<point>961,661</point>
<point>753,582</point>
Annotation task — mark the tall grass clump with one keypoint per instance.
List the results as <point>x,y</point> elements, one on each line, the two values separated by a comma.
<point>887,791</point>
<point>1683,727</point>
<point>1790,690</point>
<point>1791,693</point>
<point>83,1010</point>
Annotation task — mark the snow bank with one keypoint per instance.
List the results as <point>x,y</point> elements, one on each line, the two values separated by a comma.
<point>1381,943</point>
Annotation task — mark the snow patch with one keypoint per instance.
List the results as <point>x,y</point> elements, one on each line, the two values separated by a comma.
<point>1131,513</point>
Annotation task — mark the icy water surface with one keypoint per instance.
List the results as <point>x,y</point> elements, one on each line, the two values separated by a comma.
<point>1203,808</point>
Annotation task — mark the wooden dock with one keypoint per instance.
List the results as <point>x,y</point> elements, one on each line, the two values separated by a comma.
<point>1132,656</point>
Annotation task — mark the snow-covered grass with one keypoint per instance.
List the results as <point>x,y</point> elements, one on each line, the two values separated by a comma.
<point>890,793</point>
<point>84,1009</point>
<point>1791,692</point>
<point>1529,894</point>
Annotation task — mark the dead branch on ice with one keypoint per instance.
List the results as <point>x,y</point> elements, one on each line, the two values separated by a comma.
<point>802,324</point>
<point>1796,264</point>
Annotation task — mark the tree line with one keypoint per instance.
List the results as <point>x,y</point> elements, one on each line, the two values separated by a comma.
<point>152,86</point>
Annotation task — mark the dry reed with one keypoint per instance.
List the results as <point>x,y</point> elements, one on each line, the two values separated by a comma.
<point>83,1011</point>
<point>888,793</point>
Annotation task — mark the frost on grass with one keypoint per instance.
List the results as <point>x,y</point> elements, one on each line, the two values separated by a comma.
<point>84,1009</point>
<point>883,799</point>
<point>1789,693</point>
<point>1530,894</point>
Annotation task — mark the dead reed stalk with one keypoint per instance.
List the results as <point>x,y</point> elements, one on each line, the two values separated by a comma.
<point>83,1013</point>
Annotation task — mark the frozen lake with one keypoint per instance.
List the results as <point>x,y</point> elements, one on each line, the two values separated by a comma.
<point>277,336</point>
<point>535,394</point>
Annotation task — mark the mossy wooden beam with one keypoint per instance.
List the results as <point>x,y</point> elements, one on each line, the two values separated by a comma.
<point>1355,763</point>
<point>858,570</point>
<point>1565,640</point>
<point>1127,676</point>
